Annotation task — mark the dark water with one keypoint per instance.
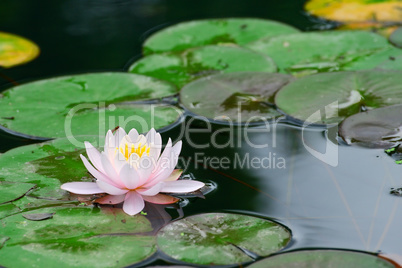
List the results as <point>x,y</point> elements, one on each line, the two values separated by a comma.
<point>347,206</point>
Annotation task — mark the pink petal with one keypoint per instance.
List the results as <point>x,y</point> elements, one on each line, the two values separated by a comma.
<point>133,134</point>
<point>111,171</point>
<point>161,164</point>
<point>154,141</point>
<point>162,174</point>
<point>110,189</point>
<point>175,175</point>
<point>119,161</point>
<point>119,134</point>
<point>165,155</point>
<point>130,177</point>
<point>160,199</point>
<point>82,188</point>
<point>154,190</point>
<point>111,199</point>
<point>94,156</point>
<point>147,165</point>
<point>176,150</point>
<point>154,152</point>
<point>151,135</point>
<point>181,186</point>
<point>133,203</point>
<point>98,175</point>
<point>109,141</point>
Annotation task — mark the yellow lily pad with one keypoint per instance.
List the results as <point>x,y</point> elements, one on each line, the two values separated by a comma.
<point>15,50</point>
<point>356,10</point>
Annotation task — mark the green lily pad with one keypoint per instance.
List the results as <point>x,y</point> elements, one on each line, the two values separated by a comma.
<point>85,105</point>
<point>307,53</point>
<point>181,68</point>
<point>378,128</point>
<point>10,191</point>
<point>220,97</point>
<point>328,98</point>
<point>77,237</point>
<point>323,258</point>
<point>6,210</point>
<point>396,37</point>
<point>221,238</point>
<point>15,50</point>
<point>28,203</point>
<point>386,59</point>
<point>48,165</point>
<point>207,32</point>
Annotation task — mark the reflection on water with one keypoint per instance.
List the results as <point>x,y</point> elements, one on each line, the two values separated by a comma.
<point>347,206</point>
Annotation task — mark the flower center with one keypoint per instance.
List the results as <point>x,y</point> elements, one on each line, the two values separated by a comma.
<point>127,149</point>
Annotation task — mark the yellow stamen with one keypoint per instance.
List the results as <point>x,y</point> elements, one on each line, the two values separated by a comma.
<point>129,148</point>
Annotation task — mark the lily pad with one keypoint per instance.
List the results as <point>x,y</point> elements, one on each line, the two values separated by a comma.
<point>356,10</point>
<point>323,258</point>
<point>207,32</point>
<point>396,37</point>
<point>221,238</point>
<point>6,210</point>
<point>15,50</point>
<point>181,68</point>
<point>307,53</point>
<point>328,98</point>
<point>48,165</point>
<point>10,191</point>
<point>220,97</point>
<point>385,59</point>
<point>378,128</point>
<point>77,237</point>
<point>85,105</point>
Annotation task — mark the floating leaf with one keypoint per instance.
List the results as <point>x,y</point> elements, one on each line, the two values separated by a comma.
<point>181,68</point>
<point>221,96</point>
<point>393,258</point>
<point>378,128</point>
<point>10,191</point>
<point>206,32</point>
<point>48,165</point>
<point>386,59</point>
<point>28,203</point>
<point>84,105</point>
<point>221,238</point>
<point>15,50</point>
<point>322,258</point>
<point>396,37</point>
<point>339,94</point>
<point>38,216</point>
<point>6,210</point>
<point>356,10</point>
<point>307,53</point>
<point>80,237</point>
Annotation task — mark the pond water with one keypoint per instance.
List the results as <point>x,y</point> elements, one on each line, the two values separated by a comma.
<point>338,202</point>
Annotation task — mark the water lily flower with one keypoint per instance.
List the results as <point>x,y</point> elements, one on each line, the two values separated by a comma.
<point>132,169</point>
